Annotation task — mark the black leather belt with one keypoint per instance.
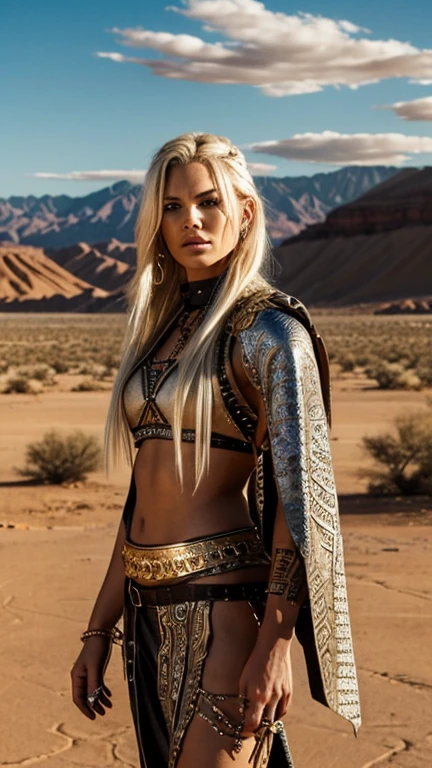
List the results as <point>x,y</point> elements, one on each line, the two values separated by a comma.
<point>181,593</point>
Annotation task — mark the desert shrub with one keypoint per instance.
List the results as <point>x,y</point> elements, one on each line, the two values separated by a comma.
<point>347,362</point>
<point>111,361</point>
<point>60,459</point>
<point>101,372</point>
<point>59,365</point>
<point>16,383</point>
<point>28,379</point>
<point>60,341</point>
<point>88,385</point>
<point>371,338</point>
<point>361,360</point>
<point>409,379</point>
<point>40,372</point>
<point>393,376</point>
<point>404,459</point>
<point>85,369</point>
<point>20,383</point>
<point>98,371</point>
<point>424,372</point>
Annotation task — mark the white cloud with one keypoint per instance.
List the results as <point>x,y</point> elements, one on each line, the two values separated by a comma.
<point>135,177</point>
<point>347,149</point>
<point>261,169</point>
<point>280,54</point>
<point>418,109</point>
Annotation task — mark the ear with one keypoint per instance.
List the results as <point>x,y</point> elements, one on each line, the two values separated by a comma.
<point>248,211</point>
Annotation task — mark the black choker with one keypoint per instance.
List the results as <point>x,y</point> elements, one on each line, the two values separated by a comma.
<point>198,292</point>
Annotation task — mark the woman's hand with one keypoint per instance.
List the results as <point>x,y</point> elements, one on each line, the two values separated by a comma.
<point>87,676</point>
<point>266,680</point>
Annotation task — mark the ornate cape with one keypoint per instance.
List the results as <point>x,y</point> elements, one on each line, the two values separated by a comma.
<point>286,359</point>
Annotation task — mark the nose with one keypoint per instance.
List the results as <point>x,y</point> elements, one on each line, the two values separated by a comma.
<point>192,218</point>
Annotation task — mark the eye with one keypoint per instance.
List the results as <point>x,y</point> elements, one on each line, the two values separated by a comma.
<point>170,207</point>
<point>210,202</point>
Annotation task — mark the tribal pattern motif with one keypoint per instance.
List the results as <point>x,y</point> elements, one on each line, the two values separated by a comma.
<point>279,356</point>
<point>185,634</point>
<point>217,554</point>
<point>287,576</point>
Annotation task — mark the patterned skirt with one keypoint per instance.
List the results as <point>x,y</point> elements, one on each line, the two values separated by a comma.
<point>167,635</point>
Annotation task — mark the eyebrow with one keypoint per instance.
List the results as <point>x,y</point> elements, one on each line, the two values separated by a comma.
<point>201,194</point>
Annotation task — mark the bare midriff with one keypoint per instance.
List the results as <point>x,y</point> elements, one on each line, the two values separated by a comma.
<point>165,515</point>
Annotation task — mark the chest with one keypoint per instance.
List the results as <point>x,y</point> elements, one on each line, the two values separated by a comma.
<point>150,392</point>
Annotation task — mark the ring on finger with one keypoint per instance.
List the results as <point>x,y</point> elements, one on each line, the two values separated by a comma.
<point>93,697</point>
<point>268,725</point>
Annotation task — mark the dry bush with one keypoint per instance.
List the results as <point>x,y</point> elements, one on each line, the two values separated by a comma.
<point>98,371</point>
<point>19,383</point>
<point>27,379</point>
<point>393,376</point>
<point>87,385</point>
<point>40,372</point>
<point>62,341</point>
<point>424,372</point>
<point>66,342</point>
<point>405,459</point>
<point>61,459</point>
<point>59,365</point>
<point>368,340</point>
<point>347,362</point>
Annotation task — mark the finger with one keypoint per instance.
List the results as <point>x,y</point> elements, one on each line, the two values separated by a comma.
<point>95,689</point>
<point>105,701</point>
<point>269,712</point>
<point>282,706</point>
<point>253,716</point>
<point>106,690</point>
<point>97,707</point>
<point>79,694</point>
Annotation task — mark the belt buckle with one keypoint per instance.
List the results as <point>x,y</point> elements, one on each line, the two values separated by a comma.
<point>136,593</point>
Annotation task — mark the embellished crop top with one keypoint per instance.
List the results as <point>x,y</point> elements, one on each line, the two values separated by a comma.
<point>148,394</point>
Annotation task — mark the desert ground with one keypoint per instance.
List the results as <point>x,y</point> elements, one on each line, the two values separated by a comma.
<point>55,542</point>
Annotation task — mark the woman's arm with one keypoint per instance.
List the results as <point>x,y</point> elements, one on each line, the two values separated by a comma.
<point>287,365</point>
<point>108,607</point>
<point>266,679</point>
<point>88,671</point>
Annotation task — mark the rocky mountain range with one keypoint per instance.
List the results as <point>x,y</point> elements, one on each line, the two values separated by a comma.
<point>82,278</point>
<point>375,251</point>
<point>292,203</point>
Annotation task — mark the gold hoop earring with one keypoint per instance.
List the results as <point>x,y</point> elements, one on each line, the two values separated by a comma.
<point>159,266</point>
<point>244,229</point>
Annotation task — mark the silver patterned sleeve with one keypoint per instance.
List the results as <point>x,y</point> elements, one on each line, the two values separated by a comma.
<point>279,356</point>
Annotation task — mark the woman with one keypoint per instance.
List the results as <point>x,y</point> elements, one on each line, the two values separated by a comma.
<point>223,383</point>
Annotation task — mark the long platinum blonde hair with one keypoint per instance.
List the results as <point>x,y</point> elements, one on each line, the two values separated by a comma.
<point>150,304</point>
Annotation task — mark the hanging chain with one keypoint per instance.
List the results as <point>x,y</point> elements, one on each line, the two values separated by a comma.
<point>187,325</point>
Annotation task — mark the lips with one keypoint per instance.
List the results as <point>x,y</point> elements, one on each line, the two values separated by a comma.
<point>196,241</point>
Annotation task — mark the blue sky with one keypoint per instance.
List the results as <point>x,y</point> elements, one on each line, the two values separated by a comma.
<point>67,110</point>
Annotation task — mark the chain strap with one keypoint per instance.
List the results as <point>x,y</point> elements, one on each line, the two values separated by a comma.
<point>187,326</point>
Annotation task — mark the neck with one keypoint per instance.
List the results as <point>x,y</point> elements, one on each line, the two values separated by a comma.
<point>197,293</point>
<point>204,273</point>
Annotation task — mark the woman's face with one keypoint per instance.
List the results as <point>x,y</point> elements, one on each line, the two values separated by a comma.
<point>197,233</point>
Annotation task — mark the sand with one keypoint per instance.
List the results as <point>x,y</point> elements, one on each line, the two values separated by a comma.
<point>54,554</point>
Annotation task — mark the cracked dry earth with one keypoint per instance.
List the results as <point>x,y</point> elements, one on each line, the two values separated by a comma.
<point>48,581</point>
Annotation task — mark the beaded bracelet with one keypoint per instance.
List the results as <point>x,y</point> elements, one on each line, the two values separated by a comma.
<point>114,634</point>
